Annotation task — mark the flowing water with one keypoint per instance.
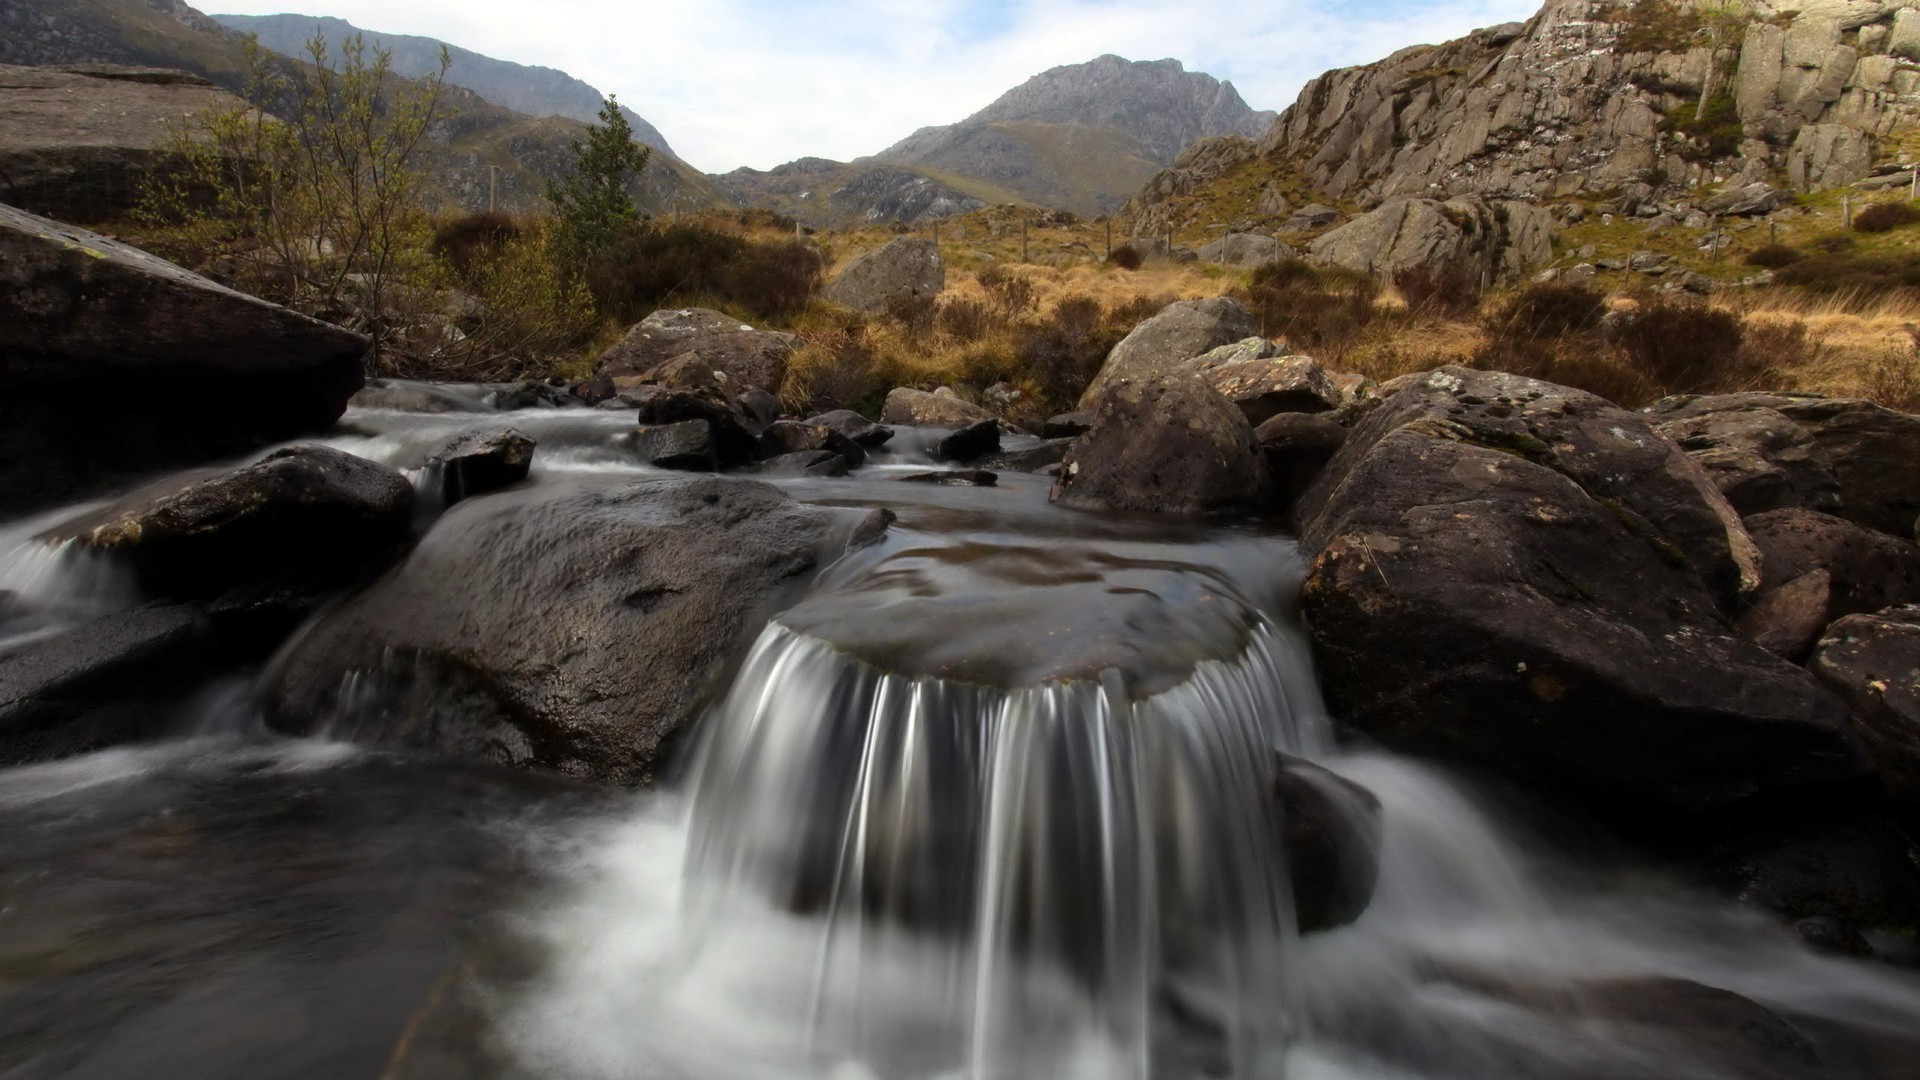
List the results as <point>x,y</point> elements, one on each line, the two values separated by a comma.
<point>992,801</point>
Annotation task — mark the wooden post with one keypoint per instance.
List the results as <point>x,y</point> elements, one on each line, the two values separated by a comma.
<point>493,188</point>
<point>1023,238</point>
<point>1913,184</point>
<point>1846,211</point>
<point>1169,243</point>
<point>1109,238</point>
<point>936,232</point>
<point>1773,231</point>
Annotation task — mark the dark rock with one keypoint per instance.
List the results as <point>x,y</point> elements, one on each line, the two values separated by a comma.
<point>736,438</point>
<point>793,436</point>
<point>1264,386</point>
<point>1829,934</point>
<point>1858,870</point>
<point>575,628</point>
<point>953,477</point>
<point>1297,447</point>
<point>978,439</point>
<point>531,394</point>
<point>686,445</point>
<point>306,514</point>
<point>1771,451</point>
<point>761,405</point>
<point>482,461</point>
<point>1029,458</point>
<point>1873,663</point>
<point>198,371</point>
<point>919,408</point>
<point>1179,333</point>
<point>1332,839</point>
<point>854,426</point>
<point>401,395</point>
<point>745,357</point>
<point>1529,577</point>
<point>1817,568</point>
<point>901,271</point>
<point>105,682</point>
<point>1167,443</point>
<point>872,528</point>
<point>803,463</point>
<point>1068,425</point>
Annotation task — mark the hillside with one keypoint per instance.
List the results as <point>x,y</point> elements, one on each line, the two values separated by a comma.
<point>535,91</point>
<point>1588,101</point>
<point>475,138</point>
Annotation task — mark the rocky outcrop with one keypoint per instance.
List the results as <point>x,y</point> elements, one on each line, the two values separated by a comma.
<point>1842,456</point>
<point>902,271</point>
<point>1178,333</point>
<point>1828,156</point>
<point>1163,443</point>
<point>196,369</point>
<point>1531,578</point>
<point>1817,568</point>
<point>78,143</point>
<point>660,346</point>
<point>1245,250</point>
<point>1487,241</point>
<point>1873,663</point>
<point>569,628</point>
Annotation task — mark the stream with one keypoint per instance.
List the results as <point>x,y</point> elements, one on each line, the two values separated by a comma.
<point>990,801</point>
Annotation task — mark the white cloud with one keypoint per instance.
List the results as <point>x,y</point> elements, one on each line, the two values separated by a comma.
<point>759,82</point>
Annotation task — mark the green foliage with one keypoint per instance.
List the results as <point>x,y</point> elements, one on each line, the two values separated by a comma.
<point>1885,217</point>
<point>319,209</point>
<point>1652,25</point>
<point>591,201</point>
<point>1706,134</point>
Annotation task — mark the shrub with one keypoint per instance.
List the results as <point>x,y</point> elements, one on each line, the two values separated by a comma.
<point>1774,256</point>
<point>465,241</point>
<point>1847,272</point>
<point>651,265</point>
<point>591,200</point>
<point>1323,309</point>
<point>1579,361</point>
<point>1543,311</point>
<point>1833,243</point>
<point>1893,379</point>
<point>1126,257</point>
<point>1885,217</point>
<point>1686,347</point>
<point>1452,292</point>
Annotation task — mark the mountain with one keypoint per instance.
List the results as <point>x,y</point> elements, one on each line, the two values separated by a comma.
<point>1082,137</point>
<point>478,149</point>
<point>1590,99</point>
<point>535,91</point>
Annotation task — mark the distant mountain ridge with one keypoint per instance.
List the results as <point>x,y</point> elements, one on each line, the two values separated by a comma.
<point>524,88</point>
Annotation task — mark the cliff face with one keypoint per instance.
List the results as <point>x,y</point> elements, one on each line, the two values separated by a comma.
<point>1586,97</point>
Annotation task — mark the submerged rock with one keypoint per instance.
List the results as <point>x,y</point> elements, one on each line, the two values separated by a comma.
<point>1529,577</point>
<point>559,626</point>
<point>1179,333</point>
<point>1166,444</point>
<point>197,370</point>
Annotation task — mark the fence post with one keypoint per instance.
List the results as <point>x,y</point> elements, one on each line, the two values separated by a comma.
<point>1023,238</point>
<point>1846,211</point>
<point>1109,239</point>
<point>936,232</point>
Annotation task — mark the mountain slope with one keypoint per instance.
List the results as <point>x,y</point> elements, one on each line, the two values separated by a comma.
<point>535,91</point>
<point>1587,100</point>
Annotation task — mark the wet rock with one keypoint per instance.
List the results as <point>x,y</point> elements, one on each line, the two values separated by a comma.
<point>1166,443</point>
<point>803,463</point>
<point>1529,577</point>
<point>919,408</point>
<point>685,444</point>
<point>1817,568</point>
<point>861,430</point>
<point>1067,425</point>
<point>1331,832</point>
<point>735,436</point>
<point>306,514</point>
<point>1029,458</point>
<point>1297,447</point>
<point>712,343</point>
<point>1179,333</point>
<point>531,394</point>
<point>70,693</point>
<point>198,371</point>
<point>574,628</point>
<point>482,461</point>
<point>401,395</point>
<point>1768,451</point>
<point>978,439</point>
<point>901,271</point>
<point>953,477</point>
<point>792,436</point>
<point>1873,663</point>
<point>1264,384</point>
<point>1858,870</point>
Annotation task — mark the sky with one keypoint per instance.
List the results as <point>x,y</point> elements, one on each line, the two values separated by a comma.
<point>760,82</point>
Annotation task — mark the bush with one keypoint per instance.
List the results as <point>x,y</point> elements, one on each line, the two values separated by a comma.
<point>1774,256</point>
<point>652,265</point>
<point>466,241</point>
<point>1686,347</point>
<point>1322,309</point>
<point>1885,217</point>
<point>1126,257</point>
<point>1545,311</point>
<point>1833,243</point>
<point>1847,272</point>
<point>1579,361</point>
<point>1451,292</point>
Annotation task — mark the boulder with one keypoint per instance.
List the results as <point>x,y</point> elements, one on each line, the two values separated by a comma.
<point>1489,240</point>
<point>978,439</point>
<point>1245,250</point>
<point>482,461</point>
<point>734,432</point>
<point>1297,447</point>
<point>197,370</point>
<point>702,343</point>
<point>1067,425</point>
<point>310,515</point>
<point>793,436</point>
<point>1309,217</point>
<point>1029,458</point>
<point>1253,376</point>
<point>69,693</point>
<point>567,627</point>
<point>1846,867</point>
<point>861,430</point>
<point>763,407</point>
<point>1166,443</point>
<point>1828,156</point>
<point>1873,663</point>
<point>1817,568</point>
<point>918,408</point>
<point>901,271</point>
<point>1769,451</point>
<point>684,444</point>
<point>1177,334</point>
<point>1529,577</point>
<point>1331,833</point>
<point>1749,200</point>
<point>79,143</point>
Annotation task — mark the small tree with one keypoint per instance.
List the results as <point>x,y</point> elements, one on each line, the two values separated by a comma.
<point>591,202</point>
